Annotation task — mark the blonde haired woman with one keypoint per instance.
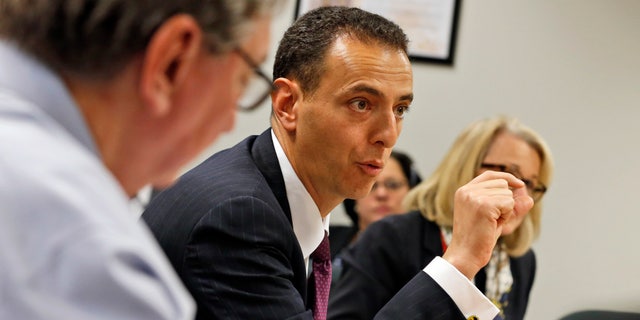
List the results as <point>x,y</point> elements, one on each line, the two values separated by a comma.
<point>392,250</point>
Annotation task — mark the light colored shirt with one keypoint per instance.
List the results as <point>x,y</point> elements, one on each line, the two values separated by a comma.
<point>470,300</point>
<point>308,224</point>
<point>69,247</point>
<point>309,228</point>
<point>138,203</point>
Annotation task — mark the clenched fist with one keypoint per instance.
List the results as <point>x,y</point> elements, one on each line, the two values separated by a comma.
<point>481,207</point>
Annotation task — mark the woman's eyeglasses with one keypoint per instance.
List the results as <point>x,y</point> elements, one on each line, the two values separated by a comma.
<point>390,185</point>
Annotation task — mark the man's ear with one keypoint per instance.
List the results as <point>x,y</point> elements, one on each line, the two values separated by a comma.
<point>167,60</point>
<point>286,100</point>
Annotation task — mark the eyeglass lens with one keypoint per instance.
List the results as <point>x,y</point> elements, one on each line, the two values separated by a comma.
<point>390,185</point>
<point>258,88</point>
<point>255,93</point>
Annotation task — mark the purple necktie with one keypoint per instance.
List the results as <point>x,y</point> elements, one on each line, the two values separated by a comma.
<point>321,274</point>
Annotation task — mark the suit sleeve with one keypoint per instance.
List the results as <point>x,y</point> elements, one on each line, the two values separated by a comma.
<point>382,278</point>
<point>421,298</point>
<point>239,265</point>
<point>373,271</point>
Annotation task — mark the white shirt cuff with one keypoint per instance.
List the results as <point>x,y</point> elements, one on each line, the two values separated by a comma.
<point>463,292</point>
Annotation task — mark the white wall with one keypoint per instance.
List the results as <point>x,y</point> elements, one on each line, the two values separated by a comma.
<point>571,70</point>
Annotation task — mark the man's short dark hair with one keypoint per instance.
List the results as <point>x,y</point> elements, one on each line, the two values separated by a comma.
<point>301,53</point>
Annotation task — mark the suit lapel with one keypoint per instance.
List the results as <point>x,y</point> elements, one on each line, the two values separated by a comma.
<point>265,158</point>
<point>431,240</point>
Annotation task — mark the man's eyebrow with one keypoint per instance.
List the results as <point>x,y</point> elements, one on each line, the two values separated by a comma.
<point>376,92</point>
<point>407,97</point>
<point>367,89</point>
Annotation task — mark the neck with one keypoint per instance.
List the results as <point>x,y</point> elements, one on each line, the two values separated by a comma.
<point>323,201</point>
<point>108,109</point>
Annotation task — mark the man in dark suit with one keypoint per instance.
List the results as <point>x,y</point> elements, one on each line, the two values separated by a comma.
<point>240,227</point>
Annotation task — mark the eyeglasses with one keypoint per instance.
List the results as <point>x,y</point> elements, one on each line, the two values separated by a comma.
<point>390,185</point>
<point>259,87</point>
<point>536,189</point>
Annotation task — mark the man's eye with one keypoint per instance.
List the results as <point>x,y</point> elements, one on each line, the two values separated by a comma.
<point>359,105</point>
<point>401,111</point>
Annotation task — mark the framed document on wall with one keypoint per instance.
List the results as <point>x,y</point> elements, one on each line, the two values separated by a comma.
<point>431,25</point>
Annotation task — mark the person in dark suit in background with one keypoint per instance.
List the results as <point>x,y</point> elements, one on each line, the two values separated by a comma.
<point>391,251</point>
<point>240,228</point>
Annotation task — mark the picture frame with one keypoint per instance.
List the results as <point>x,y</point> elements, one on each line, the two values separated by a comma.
<point>431,25</point>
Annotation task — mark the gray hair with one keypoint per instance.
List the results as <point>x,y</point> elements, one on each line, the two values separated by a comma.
<point>98,37</point>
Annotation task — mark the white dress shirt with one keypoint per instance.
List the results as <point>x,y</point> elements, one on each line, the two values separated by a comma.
<point>308,225</point>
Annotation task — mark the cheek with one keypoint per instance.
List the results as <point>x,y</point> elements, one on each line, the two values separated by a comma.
<point>397,201</point>
<point>211,114</point>
<point>221,100</point>
<point>222,85</point>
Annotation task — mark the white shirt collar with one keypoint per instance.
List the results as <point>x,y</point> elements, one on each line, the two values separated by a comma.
<point>308,225</point>
<point>138,203</point>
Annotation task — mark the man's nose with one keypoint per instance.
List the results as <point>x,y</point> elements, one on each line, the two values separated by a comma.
<point>387,129</point>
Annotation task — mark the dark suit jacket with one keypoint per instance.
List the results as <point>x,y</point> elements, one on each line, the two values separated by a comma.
<point>388,255</point>
<point>340,238</point>
<point>226,228</point>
